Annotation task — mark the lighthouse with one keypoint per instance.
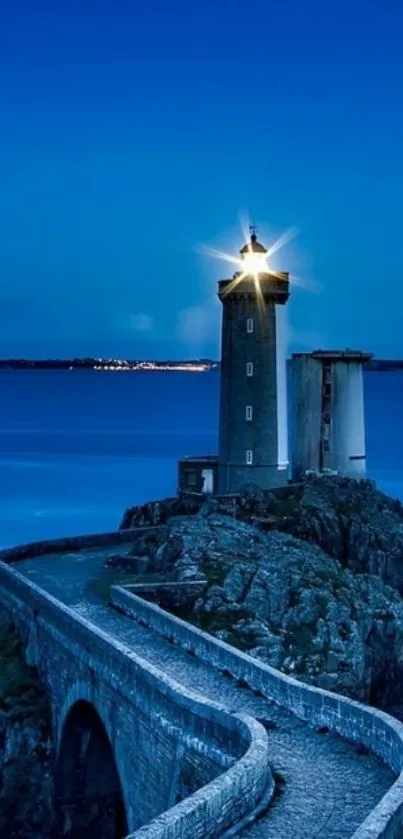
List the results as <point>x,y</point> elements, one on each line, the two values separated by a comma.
<point>253,410</point>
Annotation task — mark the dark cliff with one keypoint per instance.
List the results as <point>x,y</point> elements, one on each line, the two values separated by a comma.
<point>309,579</point>
<point>26,750</point>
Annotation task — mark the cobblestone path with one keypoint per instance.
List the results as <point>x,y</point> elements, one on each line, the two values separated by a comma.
<point>326,788</point>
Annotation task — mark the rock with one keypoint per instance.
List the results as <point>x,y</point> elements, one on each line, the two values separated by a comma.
<point>158,512</point>
<point>26,749</point>
<point>148,543</point>
<point>168,552</point>
<point>286,600</point>
<point>307,577</point>
<point>253,498</point>
<point>207,508</point>
<point>189,574</point>
<point>177,599</point>
<point>215,598</point>
<point>349,519</point>
<point>186,569</point>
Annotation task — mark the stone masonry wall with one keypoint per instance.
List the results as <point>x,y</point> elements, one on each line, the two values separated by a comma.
<point>146,715</point>
<point>74,543</point>
<point>368,726</point>
<point>259,391</point>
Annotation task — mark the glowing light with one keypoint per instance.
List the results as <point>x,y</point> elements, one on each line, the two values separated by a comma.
<point>254,261</point>
<point>254,264</point>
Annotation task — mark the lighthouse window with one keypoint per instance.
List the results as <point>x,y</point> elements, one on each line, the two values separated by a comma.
<point>249,457</point>
<point>248,412</point>
<point>249,325</point>
<point>249,368</point>
<point>326,431</point>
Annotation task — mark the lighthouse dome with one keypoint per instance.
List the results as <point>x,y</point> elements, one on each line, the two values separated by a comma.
<point>253,246</point>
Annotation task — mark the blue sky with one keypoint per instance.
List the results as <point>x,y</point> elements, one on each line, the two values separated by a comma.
<point>133,133</point>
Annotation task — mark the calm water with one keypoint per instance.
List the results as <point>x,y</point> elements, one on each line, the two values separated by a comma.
<point>77,448</point>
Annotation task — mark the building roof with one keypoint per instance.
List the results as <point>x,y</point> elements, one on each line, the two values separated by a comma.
<point>335,355</point>
<point>199,458</point>
<point>253,246</point>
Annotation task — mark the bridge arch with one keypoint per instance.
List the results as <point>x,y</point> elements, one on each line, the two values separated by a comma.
<point>88,793</point>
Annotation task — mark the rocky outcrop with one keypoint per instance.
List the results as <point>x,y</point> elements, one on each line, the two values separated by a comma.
<point>349,519</point>
<point>284,600</point>
<point>26,751</point>
<point>158,512</point>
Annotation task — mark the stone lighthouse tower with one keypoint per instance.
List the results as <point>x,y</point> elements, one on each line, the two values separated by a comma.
<point>253,416</point>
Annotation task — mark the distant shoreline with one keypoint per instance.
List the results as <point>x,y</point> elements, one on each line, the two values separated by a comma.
<point>203,365</point>
<point>110,365</point>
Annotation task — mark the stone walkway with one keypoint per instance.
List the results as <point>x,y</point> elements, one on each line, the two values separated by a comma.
<point>326,787</point>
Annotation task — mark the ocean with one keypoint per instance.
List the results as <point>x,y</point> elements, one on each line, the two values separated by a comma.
<point>77,448</point>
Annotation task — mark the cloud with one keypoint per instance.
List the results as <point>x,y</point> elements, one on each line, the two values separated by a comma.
<point>199,326</point>
<point>199,323</point>
<point>141,322</point>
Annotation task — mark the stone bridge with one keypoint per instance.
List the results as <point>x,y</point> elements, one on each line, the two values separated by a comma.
<point>178,735</point>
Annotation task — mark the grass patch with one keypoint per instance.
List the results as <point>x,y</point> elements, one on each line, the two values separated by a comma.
<point>101,586</point>
<point>322,576</point>
<point>325,578</point>
<point>286,507</point>
<point>350,507</point>
<point>298,644</point>
<point>214,570</point>
<point>216,621</point>
<point>244,642</point>
<point>322,603</point>
<point>213,622</point>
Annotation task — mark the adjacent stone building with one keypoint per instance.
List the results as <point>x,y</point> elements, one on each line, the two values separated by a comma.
<point>197,474</point>
<point>328,413</point>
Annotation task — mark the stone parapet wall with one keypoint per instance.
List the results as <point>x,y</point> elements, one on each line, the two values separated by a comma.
<point>75,543</point>
<point>221,805</point>
<point>57,637</point>
<point>377,731</point>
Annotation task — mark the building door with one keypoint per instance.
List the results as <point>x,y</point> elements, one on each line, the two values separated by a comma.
<point>207,477</point>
